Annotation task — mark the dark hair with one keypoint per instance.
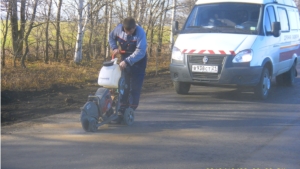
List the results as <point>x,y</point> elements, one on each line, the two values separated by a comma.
<point>129,23</point>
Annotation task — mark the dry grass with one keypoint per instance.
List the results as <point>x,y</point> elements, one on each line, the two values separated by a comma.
<point>38,75</point>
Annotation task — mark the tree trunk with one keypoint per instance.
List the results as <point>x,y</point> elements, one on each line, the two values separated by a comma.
<point>78,48</point>
<point>81,29</point>
<point>22,28</point>
<point>14,27</point>
<point>141,12</point>
<point>136,8</point>
<point>63,45</point>
<point>150,18</point>
<point>4,39</point>
<point>105,30</point>
<point>91,51</point>
<point>160,29</point>
<point>108,27</point>
<point>57,29</point>
<point>172,20</point>
<point>28,33</point>
<point>121,10</point>
<point>46,59</point>
<point>129,8</point>
<point>151,38</point>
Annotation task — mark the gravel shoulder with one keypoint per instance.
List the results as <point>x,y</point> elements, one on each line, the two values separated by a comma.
<point>26,105</point>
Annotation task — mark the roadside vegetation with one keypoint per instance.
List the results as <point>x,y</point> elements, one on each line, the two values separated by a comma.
<point>39,38</point>
<point>39,76</point>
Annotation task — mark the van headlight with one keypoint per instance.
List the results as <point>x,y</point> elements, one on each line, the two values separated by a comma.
<point>177,56</point>
<point>243,56</point>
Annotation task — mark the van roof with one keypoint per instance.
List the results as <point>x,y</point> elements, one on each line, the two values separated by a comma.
<point>285,2</point>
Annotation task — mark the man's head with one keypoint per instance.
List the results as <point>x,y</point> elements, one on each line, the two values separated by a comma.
<point>129,25</point>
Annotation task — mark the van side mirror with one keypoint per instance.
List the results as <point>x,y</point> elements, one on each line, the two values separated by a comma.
<point>175,27</point>
<point>276,29</point>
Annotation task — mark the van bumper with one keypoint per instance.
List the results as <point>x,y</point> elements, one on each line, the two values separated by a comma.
<point>243,76</point>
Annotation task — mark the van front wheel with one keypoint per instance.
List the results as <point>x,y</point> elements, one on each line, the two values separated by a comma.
<point>261,90</point>
<point>182,87</point>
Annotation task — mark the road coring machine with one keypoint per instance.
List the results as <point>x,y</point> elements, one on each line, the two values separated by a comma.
<point>104,107</point>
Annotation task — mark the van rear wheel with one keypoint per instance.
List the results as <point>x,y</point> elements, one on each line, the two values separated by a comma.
<point>261,90</point>
<point>287,78</point>
<point>280,80</point>
<point>182,87</point>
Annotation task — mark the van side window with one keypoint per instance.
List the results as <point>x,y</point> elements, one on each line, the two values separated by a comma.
<point>292,19</point>
<point>283,18</point>
<point>297,19</point>
<point>269,18</point>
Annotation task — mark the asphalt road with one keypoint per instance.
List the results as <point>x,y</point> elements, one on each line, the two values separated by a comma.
<point>211,128</point>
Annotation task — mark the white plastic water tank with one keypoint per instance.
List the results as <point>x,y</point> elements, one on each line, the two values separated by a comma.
<point>109,75</point>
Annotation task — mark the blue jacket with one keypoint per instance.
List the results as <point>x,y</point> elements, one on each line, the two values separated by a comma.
<point>136,44</point>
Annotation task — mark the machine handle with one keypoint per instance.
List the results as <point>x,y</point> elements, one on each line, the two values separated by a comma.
<point>121,52</point>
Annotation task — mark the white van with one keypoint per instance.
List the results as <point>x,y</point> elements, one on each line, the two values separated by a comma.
<point>239,42</point>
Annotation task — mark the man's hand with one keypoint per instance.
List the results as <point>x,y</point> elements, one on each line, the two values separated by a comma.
<point>115,52</point>
<point>123,65</point>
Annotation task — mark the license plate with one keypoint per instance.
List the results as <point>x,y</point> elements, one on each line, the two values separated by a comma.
<point>203,68</point>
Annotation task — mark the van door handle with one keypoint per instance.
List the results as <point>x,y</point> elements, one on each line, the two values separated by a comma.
<point>276,45</point>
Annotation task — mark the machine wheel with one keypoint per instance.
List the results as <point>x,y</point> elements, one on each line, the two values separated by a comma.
<point>128,116</point>
<point>89,124</point>
<point>182,87</point>
<point>93,125</point>
<point>261,90</point>
<point>84,122</point>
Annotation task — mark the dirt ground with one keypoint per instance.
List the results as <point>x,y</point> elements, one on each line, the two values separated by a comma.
<point>22,106</point>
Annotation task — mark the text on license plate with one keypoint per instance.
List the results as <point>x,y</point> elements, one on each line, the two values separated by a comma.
<point>203,68</point>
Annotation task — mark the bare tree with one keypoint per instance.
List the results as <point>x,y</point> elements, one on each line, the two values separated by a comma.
<point>153,15</point>
<point>46,59</point>
<point>105,33</point>
<point>28,33</point>
<point>109,26</point>
<point>81,30</point>
<point>129,12</point>
<point>154,9</point>
<point>94,47</point>
<point>141,13</point>
<point>120,10</point>
<point>172,20</point>
<point>136,8</point>
<point>161,27</point>
<point>4,32</point>
<point>58,29</point>
<point>13,9</point>
<point>22,29</point>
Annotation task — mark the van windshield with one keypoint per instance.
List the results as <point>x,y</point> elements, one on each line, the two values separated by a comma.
<point>224,18</point>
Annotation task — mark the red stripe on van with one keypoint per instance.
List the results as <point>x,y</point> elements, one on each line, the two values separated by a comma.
<point>232,52</point>
<point>211,52</point>
<point>184,51</point>
<point>202,51</point>
<point>288,55</point>
<point>222,52</point>
<point>192,51</point>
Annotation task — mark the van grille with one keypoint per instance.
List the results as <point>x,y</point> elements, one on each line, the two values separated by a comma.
<point>212,60</point>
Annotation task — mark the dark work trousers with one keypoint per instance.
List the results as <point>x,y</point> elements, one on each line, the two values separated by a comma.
<point>134,78</point>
